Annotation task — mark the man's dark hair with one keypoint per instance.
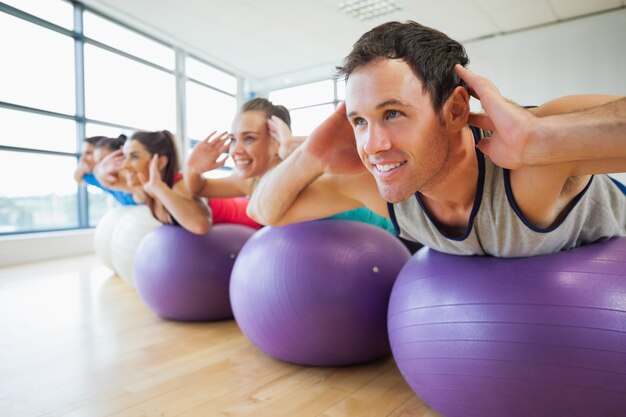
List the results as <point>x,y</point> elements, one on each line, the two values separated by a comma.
<point>430,53</point>
<point>270,109</point>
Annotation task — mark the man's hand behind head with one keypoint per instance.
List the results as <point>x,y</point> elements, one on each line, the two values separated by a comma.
<point>332,143</point>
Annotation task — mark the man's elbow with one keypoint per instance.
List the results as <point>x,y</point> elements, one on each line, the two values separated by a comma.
<point>254,214</point>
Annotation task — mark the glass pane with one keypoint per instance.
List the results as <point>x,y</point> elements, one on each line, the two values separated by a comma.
<point>119,37</point>
<point>30,130</point>
<point>208,110</point>
<point>37,66</point>
<point>303,121</point>
<point>56,11</point>
<point>341,89</point>
<point>43,198</point>
<point>99,203</point>
<point>120,90</point>
<point>304,95</point>
<point>96,129</point>
<point>209,75</point>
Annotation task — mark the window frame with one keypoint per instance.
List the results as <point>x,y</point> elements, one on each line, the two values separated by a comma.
<point>79,117</point>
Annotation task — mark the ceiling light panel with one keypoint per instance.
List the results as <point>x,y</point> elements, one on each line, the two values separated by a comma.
<point>368,9</point>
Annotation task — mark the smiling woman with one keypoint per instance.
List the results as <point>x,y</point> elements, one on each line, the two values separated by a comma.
<point>251,144</point>
<point>152,171</point>
<point>260,134</point>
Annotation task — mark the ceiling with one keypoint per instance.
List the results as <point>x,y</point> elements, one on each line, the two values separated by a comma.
<point>276,42</point>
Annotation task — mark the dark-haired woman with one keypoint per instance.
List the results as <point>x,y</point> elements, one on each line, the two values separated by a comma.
<point>151,168</point>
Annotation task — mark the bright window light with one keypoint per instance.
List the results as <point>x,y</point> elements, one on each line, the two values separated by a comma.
<point>112,34</point>
<point>209,75</point>
<point>37,66</point>
<point>208,110</point>
<point>303,121</point>
<point>55,11</point>
<point>304,95</point>
<point>34,131</point>
<point>120,90</point>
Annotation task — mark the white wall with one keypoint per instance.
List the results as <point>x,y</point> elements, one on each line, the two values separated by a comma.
<point>586,55</point>
<point>41,246</point>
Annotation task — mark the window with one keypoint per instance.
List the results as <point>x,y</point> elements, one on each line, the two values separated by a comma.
<point>119,37</point>
<point>208,110</point>
<point>209,75</point>
<point>123,91</point>
<point>37,192</point>
<point>96,129</point>
<point>129,84</point>
<point>309,104</point>
<point>99,203</point>
<point>304,120</point>
<point>341,89</point>
<point>32,49</point>
<point>210,105</point>
<point>55,11</point>
<point>305,95</point>
<point>34,131</point>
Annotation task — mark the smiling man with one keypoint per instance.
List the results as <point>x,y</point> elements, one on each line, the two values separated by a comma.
<point>510,182</point>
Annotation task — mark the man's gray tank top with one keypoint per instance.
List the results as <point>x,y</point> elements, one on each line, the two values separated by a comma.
<point>497,227</point>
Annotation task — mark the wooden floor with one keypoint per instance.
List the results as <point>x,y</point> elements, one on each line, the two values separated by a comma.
<point>76,340</point>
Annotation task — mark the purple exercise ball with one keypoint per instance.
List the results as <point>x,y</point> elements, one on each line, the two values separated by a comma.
<point>542,336</point>
<point>316,293</point>
<point>184,276</point>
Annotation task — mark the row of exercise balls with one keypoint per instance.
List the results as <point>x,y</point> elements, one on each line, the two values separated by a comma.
<point>182,276</point>
<point>313,293</point>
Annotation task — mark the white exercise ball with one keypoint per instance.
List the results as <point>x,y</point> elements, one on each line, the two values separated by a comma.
<point>131,228</point>
<point>103,232</point>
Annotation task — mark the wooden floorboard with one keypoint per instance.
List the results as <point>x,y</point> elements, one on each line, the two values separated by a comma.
<point>76,341</point>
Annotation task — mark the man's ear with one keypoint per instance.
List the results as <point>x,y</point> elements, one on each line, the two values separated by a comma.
<point>456,109</point>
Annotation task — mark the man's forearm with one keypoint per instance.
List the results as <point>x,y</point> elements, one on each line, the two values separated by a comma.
<point>278,189</point>
<point>594,134</point>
